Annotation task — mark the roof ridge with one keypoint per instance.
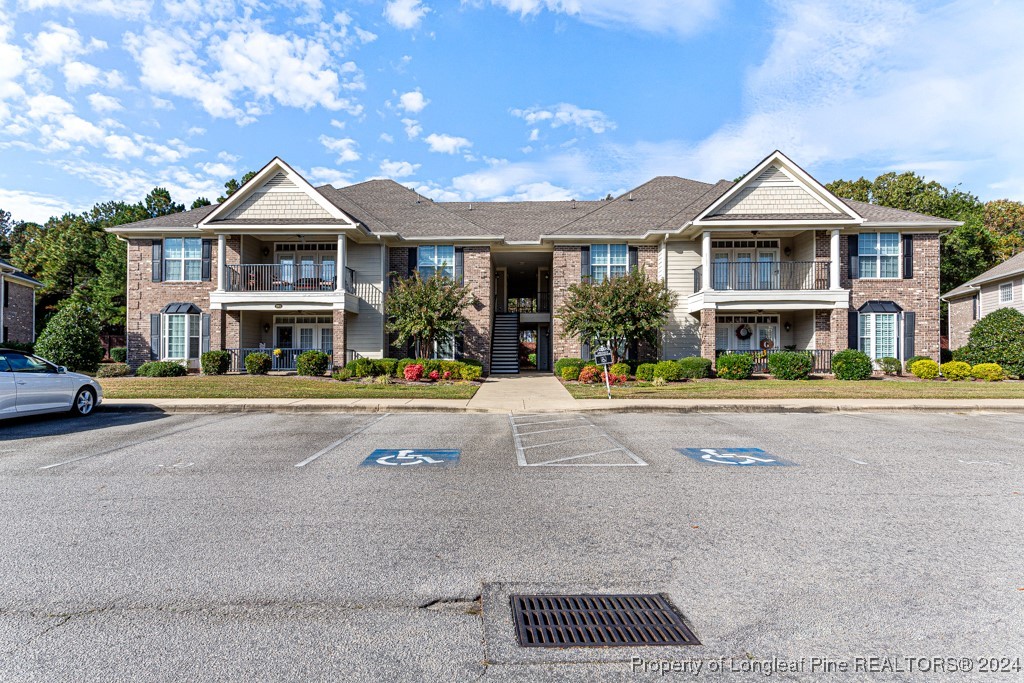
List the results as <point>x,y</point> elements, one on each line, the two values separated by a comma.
<point>349,199</point>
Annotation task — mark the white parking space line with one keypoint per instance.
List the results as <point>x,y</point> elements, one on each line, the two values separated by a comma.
<point>548,422</point>
<point>588,436</point>
<point>340,441</point>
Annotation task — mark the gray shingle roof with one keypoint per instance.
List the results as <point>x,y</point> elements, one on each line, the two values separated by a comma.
<point>403,211</point>
<point>521,221</point>
<point>873,213</point>
<point>18,273</point>
<point>182,219</point>
<point>1008,268</point>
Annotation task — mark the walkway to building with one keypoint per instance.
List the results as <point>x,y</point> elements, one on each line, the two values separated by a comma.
<point>529,391</point>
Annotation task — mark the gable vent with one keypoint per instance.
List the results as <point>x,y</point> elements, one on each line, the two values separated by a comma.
<point>279,183</point>
<point>773,174</point>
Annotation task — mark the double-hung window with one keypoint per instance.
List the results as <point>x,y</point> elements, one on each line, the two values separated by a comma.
<point>183,259</point>
<point>878,335</point>
<point>1006,293</point>
<point>182,336</point>
<point>879,254</point>
<point>608,261</point>
<point>436,259</point>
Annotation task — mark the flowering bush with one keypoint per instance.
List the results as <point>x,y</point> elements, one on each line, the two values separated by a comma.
<point>413,372</point>
<point>589,374</point>
<point>434,375</point>
<point>612,378</point>
<point>447,374</point>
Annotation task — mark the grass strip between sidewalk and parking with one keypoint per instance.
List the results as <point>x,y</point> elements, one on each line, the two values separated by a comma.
<point>813,388</point>
<point>269,386</point>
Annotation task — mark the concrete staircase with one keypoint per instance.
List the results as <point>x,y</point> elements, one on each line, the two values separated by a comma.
<point>505,344</point>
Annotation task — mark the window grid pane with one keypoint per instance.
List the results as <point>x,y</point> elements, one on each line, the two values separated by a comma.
<point>175,336</point>
<point>885,335</point>
<point>1006,292</point>
<point>173,248</point>
<point>890,266</point>
<point>193,248</point>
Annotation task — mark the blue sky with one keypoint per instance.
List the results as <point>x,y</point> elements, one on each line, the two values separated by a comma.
<point>499,99</point>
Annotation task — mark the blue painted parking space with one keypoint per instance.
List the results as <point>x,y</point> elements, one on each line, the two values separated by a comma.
<point>410,457</point>
<point>736,457</point>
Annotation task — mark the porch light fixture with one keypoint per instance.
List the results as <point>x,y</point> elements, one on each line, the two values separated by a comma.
<point>266,251</point>
<point>266,327</point>
<point>787,251</point>
<point>787,327</point>
<point>754,233</point>
<point>278,305</point>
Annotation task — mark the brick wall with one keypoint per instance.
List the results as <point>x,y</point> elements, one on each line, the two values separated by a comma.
<point>708,327</point>
<point>961,320</point>
<point>565,271</point>
<point>919,294</point>
<point>476,263</point>
<point>19,312</point>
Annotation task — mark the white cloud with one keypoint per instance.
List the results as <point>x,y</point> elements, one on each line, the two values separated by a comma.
<point>446,144</point>
<point>385,137</point>
<point>345,148</point>
<point>34,206</point>
<point>398,169</point>
<point>117,8</point>
<point>324,175</point>
<point>104,103</point>
<point>122,147</point>
<point>412,128</point>
<point>413,102</point>
<point>56,45</point>
<point>682,17</point>
<point>48,106</point>
<point>405,14</point>
<point>565,114</point>
<point>80,74</point>
<point>134,183</point>
<point>217,169</point>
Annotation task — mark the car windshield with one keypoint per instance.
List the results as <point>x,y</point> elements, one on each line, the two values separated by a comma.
<point>20,362</point>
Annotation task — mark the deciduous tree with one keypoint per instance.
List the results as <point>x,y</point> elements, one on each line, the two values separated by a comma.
<point>423,311</point>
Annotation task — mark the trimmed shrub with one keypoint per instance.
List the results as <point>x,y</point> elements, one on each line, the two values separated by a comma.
<point>913,359</point>
<point>27,347</point>
<point>114,370</point>
<point>695,367</point>
<point>402,364</point>
<point>531,358</point>
<point>362,367</point>
<point>561,363</point>
<point>668,370</point>
<point>430,365</point>
<point>620,369</point>
<point>161,368</point>
<point>471,372</point>
<point>215,362</point>
<point>119,354</point>
<point>413,372</point>
<point>341,374</point>
<point>996,338</point>
<point>589,374</point>
<point>851,364</point>
<point>258,363</point>
<point>989,372</point>
<point>386,366</point>
<point>891,366</point>
<point>645,372</point>
<point>570,373</point>
<point>312,363</point>
<point>72,338</point>
<point>434,375</point>
<point>613,378</point>
<point>955,370</point>
<point>790,365</point>
<point>734,366</point>
<point>925,369</point>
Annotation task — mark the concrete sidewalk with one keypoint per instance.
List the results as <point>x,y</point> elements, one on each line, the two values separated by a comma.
<point>536,392</point>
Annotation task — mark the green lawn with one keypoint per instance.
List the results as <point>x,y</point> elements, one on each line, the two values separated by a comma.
<point>814,388</point>
<point>268,386</point>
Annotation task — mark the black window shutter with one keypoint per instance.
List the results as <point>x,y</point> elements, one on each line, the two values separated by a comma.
<point>853,245</point>
<point>909,325</point>
<point>908,257</point>
<point>207,257</point>
<point>584,263</point>
<point>158,260</point>
<point>411,268</point>
<point>585,351</point>
<point>154,336</point>
<point>7,293</point>
<point>634,259</point>
<point>204,331</point>
<point>460,346</point>
<point>459,264</point>
<point>852,331</point>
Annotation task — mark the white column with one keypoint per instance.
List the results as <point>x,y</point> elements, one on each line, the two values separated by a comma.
<point>705,261</point>
<point>341,264</point>
<point>833,269</point>
<point>222,254</point>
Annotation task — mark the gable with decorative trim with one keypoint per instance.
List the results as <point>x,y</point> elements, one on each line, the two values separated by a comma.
<point>774,191</point>
<point>279,197</point>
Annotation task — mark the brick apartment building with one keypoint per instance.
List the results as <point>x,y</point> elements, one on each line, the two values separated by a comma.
<point>772,261</point>
<point>18,312</point>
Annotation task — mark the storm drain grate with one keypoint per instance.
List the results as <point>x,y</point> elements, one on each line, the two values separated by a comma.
<point>598,621</point>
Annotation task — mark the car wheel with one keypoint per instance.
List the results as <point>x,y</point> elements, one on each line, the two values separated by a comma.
<point>85,401</point>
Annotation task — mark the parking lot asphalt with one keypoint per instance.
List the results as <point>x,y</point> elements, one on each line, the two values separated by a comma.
<point>141,546</point>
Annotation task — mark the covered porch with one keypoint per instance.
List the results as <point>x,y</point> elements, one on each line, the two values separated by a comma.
<point>761,333</point>
<point>284,335</point>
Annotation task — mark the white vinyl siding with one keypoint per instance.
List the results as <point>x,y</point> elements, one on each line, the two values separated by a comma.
<point>879,335</point>
<point>681,334</point>
<point>365,331</point>
<point>879,255</point>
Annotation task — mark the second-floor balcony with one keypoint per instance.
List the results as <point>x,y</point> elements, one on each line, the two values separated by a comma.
<point>287,277</point>
<point>765,276</point>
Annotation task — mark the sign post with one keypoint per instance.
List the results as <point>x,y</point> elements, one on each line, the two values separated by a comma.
<point>603,356</point>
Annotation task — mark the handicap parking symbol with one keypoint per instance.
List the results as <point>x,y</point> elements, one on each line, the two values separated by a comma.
<point>408,457</point>
<point>741,457</point>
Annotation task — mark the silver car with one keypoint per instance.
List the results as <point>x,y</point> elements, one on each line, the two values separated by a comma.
<point>30,385</point>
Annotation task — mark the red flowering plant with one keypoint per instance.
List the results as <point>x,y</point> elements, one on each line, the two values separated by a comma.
<point>589,374</point>
<point>447,374</point>
<point>612,378</point>
<point>434,375</point>
<point>413,372</point>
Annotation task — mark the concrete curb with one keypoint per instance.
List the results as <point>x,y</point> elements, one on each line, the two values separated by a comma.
<point>584,406</point>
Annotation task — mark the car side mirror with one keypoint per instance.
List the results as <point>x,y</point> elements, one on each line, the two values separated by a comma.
<point>62,370</point>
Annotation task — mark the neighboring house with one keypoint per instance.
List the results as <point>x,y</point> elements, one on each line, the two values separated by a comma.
<point>18,313</point>
<point>998,287</point>
<point>773,260</point>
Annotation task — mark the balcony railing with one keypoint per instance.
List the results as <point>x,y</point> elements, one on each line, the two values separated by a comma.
<point>765,275</point>
<point>821,359</point>
<point>540,304</point>
<point>286,277</point>
<point>282,361</point>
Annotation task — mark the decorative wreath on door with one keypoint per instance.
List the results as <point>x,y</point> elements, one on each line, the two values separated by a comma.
<point>743,332</point>
<point>767,344</point>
